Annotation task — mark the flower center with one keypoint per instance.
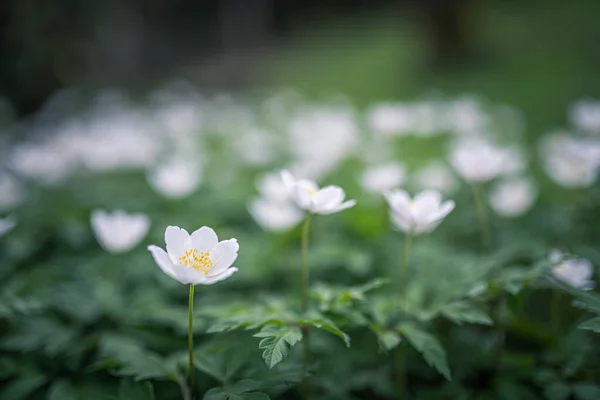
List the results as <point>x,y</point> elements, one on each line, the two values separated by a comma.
<point>311,191</point>
<point>199,260</point>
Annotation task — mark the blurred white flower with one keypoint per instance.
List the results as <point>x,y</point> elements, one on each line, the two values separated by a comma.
<point>255,147</point>
<point>176,178</point>
<point>307,195</point>
<point>421,214</point>
<point>512,197</point>
<point>437,176</point>
<point>274,209</point>
<point>570,161</point>
<point>42,162</point>
<point>119,139</point>
<point>585,116</point>
<point>321,137</point>
<point>477,160</point>
<point>390,119</point>
<point>426,118</point>
<point>274,215</point>
<point>381,178</point>
<point>576,272</point>
<point>12,192</point>
<point>196,259</point>
<point>7,224</point>
<point>118,231</point>
<point>272,187</point>
<point>465,116</point>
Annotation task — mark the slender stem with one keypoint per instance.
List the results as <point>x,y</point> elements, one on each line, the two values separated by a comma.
<point>191,339</point>
<point>400,372</point>
<point>305,270</point>
<point>406,258</point>
<point>305,385</point>
<point>482,216</point>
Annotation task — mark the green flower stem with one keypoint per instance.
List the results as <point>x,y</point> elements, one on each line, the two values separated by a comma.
<point>305,271</point>
<point>400,375</point>
<point>406,259</point>
<point>305,385</point>
<point>482,216</point>
<point>191,339</point>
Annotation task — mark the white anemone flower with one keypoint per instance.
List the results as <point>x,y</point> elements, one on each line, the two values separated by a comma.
<point>275,215</point>
<point>7,224</point>
<point>379,179</point>
<point>196,259</point>
<point>307,195</point>
<point>176,179</point>
<point>512,197</point>
<point>479,161</point>
<point>421,214</point>
<point>118,232</point>
<point>576,272</point>
<point>570,161</point>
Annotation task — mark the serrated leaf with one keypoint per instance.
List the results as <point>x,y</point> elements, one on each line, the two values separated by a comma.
<point>462,311</point>
<point>426,344</point>
<point>327,325</point>
<point>591,325</point>
<point>277,341</point>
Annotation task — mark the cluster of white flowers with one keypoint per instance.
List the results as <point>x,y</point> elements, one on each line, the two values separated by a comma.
<point>179,136</point>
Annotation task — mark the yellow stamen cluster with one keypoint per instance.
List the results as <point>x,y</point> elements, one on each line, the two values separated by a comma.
<point>199,260</point>
<point>311,191</point>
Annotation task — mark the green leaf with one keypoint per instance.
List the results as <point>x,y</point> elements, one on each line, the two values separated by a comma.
<point>41,333</point>
<point>61,390</point>
<point>387,339</point>
<point>22,387</point>
<point>591,325</point>
<point>462,311</point>
<point>426,344</point>
<point>242,390</point>
<point>586,391</point>
<point>130,390</point>
<point>557,391</point>
<point>276,342</point>
<point>327,325</point>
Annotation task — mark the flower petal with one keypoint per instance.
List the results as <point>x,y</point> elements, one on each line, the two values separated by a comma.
<point>204,239</point>
<point>328,198</point>
<point>345,205</point>
<point>162,259</point>
<point>288,180</point>
<point>302,197</point>
<point>426,203</point>
<point>399,201</point>
<point>177,240</point>
<point>223,255</point>
<point>187,275</point>
<point>217,278</point>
